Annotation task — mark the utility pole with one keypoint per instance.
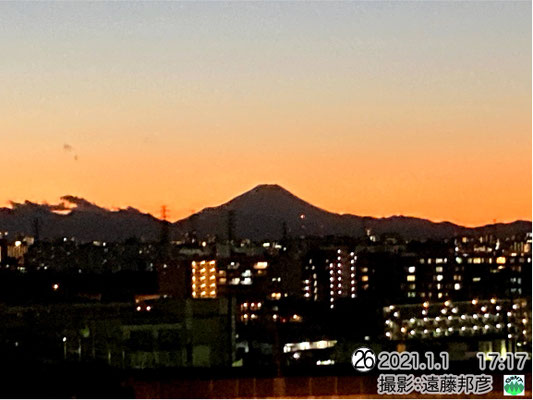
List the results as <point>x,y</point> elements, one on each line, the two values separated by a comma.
<point>36,229</point>
<point>284,232</point>
<point>231,230</point>
<point>231,226</point>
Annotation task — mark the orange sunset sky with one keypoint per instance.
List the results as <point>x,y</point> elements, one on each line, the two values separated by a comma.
<point>366,108</point>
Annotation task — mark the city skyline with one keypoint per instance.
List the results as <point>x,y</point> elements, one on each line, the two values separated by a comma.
<point>378,109</point>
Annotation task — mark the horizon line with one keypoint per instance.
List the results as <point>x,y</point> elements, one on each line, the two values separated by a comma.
<point>63,201</point>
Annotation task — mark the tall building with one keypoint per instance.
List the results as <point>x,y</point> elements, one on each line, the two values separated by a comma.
<point>492,324</point>
<point>17,249</point>
<point>173,278</point>
<point>204,279</point>
<point>329,275</point>
<point>437,272</point>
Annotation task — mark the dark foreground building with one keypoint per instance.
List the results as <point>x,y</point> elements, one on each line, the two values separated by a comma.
<point>147,334</point>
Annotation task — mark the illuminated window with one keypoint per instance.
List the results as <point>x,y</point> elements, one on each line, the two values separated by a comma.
<point>412,270</point>
<point>411,278</point>
<point>364,278</point>
<point>261,265</point>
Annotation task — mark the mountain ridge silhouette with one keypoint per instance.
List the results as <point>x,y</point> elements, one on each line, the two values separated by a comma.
<point>266,212</point>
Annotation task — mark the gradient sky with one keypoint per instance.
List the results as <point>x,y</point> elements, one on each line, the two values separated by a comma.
<point>370,108</point>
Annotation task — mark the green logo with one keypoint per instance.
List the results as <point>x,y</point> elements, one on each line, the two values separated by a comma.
<point>514,385</point>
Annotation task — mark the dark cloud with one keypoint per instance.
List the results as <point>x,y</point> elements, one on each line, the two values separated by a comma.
<point>28,205</point>
<point>67,203</point>
<point>82,204</point>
